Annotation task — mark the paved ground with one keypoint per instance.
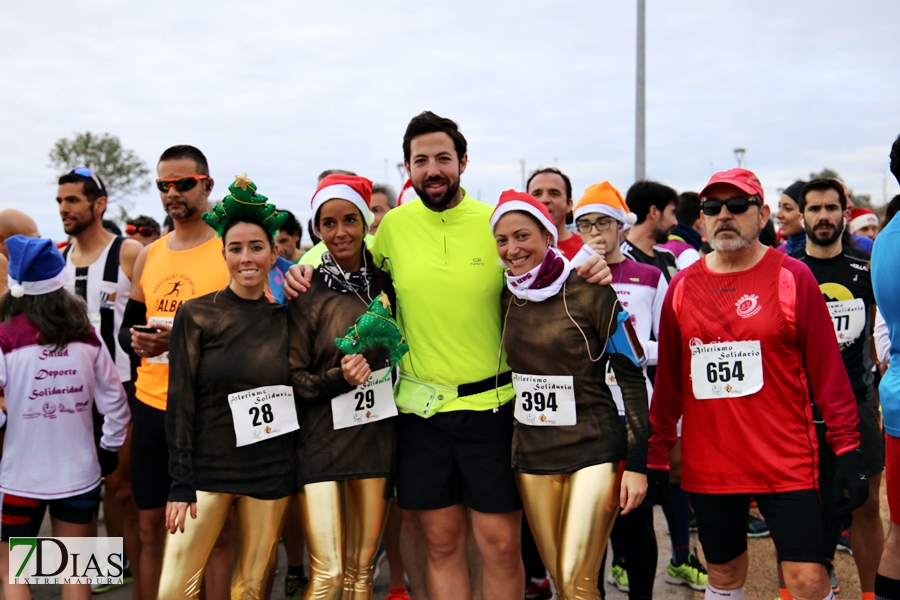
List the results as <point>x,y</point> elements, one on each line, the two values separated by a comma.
<point>762,582</point>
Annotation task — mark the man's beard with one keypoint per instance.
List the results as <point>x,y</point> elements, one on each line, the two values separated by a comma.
<point>730,244</point>
<point>813,236</point>
<point>660,236</point>
<point>441,202</point>
<point>186,212</point>
<point>79,226</point>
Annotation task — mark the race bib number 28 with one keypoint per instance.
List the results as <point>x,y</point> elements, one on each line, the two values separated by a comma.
<point>726,369</point>
<point>263,413</point>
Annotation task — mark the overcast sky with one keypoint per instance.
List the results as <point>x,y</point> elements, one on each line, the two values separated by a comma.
<point>283,90</point>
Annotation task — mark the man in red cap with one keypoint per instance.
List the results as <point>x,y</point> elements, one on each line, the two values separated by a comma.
<point>745,341</point>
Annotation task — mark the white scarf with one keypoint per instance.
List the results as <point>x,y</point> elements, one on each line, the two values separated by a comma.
<point>520,285</point>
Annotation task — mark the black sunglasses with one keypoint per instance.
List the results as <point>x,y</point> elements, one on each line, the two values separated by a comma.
<point>736,206</point>
<point>182,184</point>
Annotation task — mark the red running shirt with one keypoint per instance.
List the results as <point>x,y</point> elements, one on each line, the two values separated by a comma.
<point>764,441</point>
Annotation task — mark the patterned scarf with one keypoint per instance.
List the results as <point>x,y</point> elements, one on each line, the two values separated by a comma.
<point>359,282</point>
<point>543,281</point>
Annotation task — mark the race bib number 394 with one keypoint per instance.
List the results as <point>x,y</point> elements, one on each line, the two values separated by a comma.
<point>726,369</point>
<point>544,400</point>
<point>263,413</point>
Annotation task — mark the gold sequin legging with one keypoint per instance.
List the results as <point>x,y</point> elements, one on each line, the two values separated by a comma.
<point>258,526</point>
<point>571,516</point>
<point>343,522</point>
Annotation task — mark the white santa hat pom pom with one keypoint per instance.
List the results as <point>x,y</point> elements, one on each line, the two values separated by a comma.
<point>17,290</point>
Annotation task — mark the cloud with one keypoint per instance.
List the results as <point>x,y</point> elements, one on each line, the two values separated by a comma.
<point>283,90</point>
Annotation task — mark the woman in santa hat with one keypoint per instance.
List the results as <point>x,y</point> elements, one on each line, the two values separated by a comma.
<point>345,446</point>
<point>574,462</point>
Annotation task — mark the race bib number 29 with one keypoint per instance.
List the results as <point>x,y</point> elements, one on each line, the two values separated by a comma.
<point>726,369</point>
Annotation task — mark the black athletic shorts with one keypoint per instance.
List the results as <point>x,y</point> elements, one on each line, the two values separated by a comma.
<point>459,457</point>
<point>22,517</point>
<point>794,519</point>
<point>871,436</point>
<point>150,479</point>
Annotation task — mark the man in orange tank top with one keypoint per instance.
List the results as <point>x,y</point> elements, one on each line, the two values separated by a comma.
<point>181,265</point>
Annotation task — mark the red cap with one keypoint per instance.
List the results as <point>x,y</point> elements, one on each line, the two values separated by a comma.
<point>511,200</point>
<point>742,179</point>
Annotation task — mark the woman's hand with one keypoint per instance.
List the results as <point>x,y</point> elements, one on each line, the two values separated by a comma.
<point>296,280</point>
<point>595,270</point>
<point>176,513</point>
<point>633,490</point>
<point>356,369</point>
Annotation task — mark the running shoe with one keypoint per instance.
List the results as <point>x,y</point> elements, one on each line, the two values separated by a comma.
<point>400,593</point>
<point>618,576</point>
<point>756,528</point>
<point>835,584</point>
<point>294,586</point>
<point>844,542</point>
<point>127,578</point>
<point>692,573</point>
<point>538,589</point>
<point>692,524</point>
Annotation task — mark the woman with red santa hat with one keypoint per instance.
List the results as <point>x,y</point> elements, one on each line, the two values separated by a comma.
<point>345,446</point>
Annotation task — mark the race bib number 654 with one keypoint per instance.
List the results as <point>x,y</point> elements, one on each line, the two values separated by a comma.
<point>726,369</point>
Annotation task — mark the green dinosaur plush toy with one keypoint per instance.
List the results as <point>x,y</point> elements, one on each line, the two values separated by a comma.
<point>376,327</point>
<point>244,201</point>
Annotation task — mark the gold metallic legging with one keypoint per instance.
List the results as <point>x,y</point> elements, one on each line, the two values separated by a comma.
<point>258,527</point>
<point>571,516</point>
<point>343,522</point>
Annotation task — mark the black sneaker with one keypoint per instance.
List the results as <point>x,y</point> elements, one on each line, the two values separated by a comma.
<point>294,586</point>
<point>832,577</point>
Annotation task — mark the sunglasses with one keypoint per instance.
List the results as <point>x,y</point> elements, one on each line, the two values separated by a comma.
<point>182,184</point>
<point>85,172</point>
<point>736,206</point>
<point>143,230</point>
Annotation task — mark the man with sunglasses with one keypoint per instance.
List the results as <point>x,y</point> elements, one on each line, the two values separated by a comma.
<point>182,265</point>
<point>843,275</point>
<point>142,229</point>
<point>745,342</point>
<point>99,266</point>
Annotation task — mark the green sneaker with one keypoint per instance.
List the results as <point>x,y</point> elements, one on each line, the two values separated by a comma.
<point>618,576</point>
<point>692,573</point>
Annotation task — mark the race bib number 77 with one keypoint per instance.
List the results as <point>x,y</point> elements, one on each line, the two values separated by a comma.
<point>726,369</point>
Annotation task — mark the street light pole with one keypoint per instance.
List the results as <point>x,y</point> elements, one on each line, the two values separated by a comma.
<point>739,155</point>
<point>640,167</point>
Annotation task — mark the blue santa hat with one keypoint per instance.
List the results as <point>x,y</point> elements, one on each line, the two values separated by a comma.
<point>35,266</point>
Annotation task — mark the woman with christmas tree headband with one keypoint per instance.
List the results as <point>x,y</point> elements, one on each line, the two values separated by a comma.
<point>573,460</point>
<point>231,413</point>
<point>345,446</point>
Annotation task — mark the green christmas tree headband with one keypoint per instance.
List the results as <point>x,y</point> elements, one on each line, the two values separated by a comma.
<point>243,201</point>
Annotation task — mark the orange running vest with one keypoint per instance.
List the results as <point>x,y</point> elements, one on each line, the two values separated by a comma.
<point>170,279</point>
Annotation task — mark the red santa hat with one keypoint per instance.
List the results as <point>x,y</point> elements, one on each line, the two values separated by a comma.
<point>511,200</point>
<point>352,188</point>
<point>861,217</point>
<point>407,193</point>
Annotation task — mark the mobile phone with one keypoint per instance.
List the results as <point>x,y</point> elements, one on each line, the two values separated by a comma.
<point>145,329</point>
